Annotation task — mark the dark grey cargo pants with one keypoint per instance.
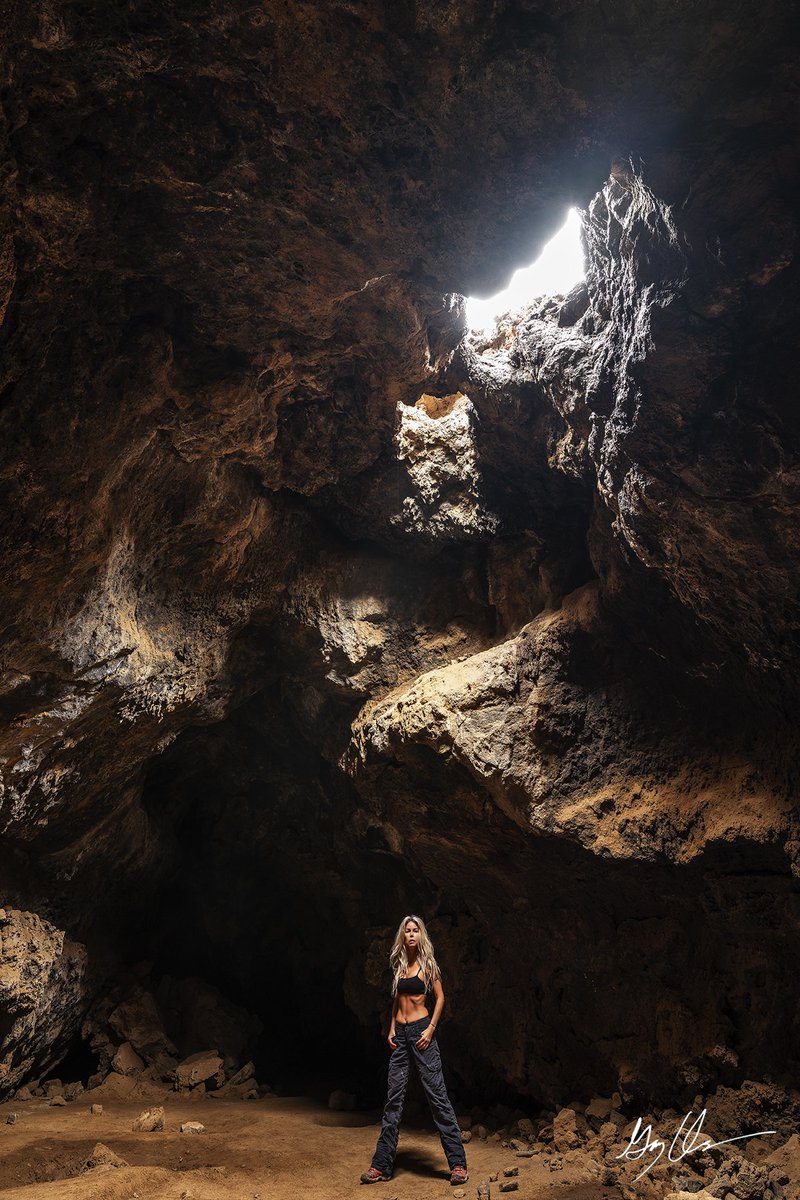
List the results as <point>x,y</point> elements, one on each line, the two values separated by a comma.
<point>429,1066</point>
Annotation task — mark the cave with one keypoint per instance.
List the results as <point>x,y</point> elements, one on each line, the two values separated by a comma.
<point>325,603</point>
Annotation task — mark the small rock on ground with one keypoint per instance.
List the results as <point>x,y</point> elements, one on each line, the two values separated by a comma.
<point>150,1121</point>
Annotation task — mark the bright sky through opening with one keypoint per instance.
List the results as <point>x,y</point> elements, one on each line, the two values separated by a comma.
<point>557,269</point>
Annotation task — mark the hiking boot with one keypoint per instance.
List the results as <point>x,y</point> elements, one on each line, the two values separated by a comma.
<point>374,1175</point>
<point>458,1175</point>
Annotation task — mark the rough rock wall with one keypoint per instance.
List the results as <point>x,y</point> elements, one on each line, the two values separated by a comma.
<point>542,621</point>
<point>42,994</point>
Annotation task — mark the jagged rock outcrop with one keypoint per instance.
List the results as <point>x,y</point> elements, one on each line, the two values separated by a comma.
<point>537,721</point>
<point>43,991</point>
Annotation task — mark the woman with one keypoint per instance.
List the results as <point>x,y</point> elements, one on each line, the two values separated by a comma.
<point>412,1034</point>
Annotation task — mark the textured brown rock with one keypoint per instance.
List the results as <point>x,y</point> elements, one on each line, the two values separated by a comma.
<point>126,1061</point>
<point>151,1120</point>
<point>702,1194</point>
<point>784,1166</point>
<point>42,993</point>
<point>102,1157</point>
<point>137,1021</point>
<point>743,1178</point>
<point>192,1127</point>
<point>242,1076</point>
<point>197,1068</point>
<point>313,608</point>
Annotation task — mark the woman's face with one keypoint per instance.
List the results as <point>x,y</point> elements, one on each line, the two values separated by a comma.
<point>412,934</point>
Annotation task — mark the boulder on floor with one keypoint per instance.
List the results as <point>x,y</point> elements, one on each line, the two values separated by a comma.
<point>198,1068</point>
<point>138,1020</point>
<point>126,1061</point>
<point>150,1121</point>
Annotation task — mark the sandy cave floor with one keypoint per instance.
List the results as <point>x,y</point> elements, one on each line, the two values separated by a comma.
<point>263,1149</point>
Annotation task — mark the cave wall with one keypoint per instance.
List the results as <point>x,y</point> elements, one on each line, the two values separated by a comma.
<point>533,636</point>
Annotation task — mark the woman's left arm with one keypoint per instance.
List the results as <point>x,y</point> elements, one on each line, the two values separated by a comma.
<point>429,1030</point>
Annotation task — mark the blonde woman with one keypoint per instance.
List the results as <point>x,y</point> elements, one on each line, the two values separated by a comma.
<point>412,1035</point>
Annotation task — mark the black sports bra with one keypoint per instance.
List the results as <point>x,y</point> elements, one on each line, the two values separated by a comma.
<point>413,986</point>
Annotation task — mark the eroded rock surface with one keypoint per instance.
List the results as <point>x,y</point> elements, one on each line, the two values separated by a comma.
<point>43,991</point>
<point>317,611</point>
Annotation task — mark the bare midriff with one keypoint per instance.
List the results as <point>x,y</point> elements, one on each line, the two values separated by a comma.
<point>410,1008</point>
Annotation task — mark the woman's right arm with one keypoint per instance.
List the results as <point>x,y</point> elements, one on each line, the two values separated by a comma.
<point>395,1005</point>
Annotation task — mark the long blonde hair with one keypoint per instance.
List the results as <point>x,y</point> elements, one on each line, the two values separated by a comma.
<point>398,955</point>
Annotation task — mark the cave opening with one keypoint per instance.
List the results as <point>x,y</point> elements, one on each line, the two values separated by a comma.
<point>559,267</point>
<point>78,1064</point>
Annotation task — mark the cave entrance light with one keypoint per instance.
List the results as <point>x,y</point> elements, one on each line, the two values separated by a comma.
<point>555,272</point>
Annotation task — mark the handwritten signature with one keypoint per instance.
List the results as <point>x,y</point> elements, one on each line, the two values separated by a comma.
<point>642,1142</point>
